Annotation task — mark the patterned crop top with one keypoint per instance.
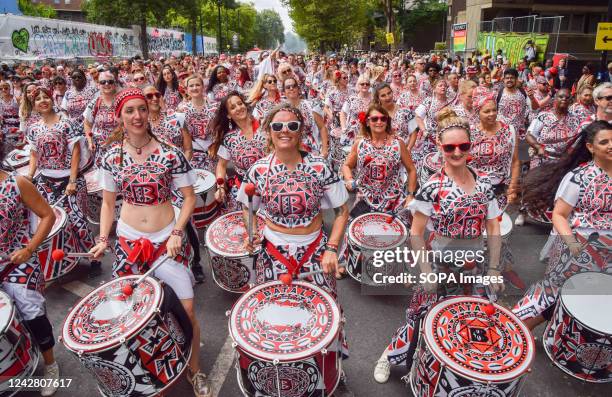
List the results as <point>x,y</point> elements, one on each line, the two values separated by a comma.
<point>293,198</point>
<point>53,145</point>
<point>150,183</point>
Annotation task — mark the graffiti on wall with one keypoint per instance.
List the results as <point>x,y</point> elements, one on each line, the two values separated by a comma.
<point>164,42</point>
<point>512,44</point>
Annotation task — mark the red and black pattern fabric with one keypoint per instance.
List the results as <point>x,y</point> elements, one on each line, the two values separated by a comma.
<point>172,98</point>
<point>334,99</point>
<point>51,144</point>
<point>196,122</point>
<point>220,91</point>
<point>403,123</point>
<point>470,115</point>
<point>170,128</point>
<point>263,106</point>
<point>582,112</point>
<point>409,100</point>
<point>75,102</point>
<point>352,107</point>
<point>293,198</point>
<point>427,110</point>
<point>52,189</point>
<point>150,183</point>
<point>9,113</point>
<point>513,108</point>
<point>103,120</point>
<point>454,213</point>
<point>14,235</point>
<point>554,133</point>
<point>27,125</point>
<point>310,131</point>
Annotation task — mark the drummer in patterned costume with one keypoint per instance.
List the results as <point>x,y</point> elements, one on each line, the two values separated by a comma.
<point>495,152</point>
<point>168,85</point>
<point>77,97</point>
<point>335,97</point>
<point>464,106</point>
<point>25,282</point>
<point>99,117</point>
<point>264,96</point>
<point>584,106</point>
<point>459,203</point>
<point>237,139</point>
<point>292,187</point>
<point>411,97</point>
<point>403,122</point>
<point>197,116</point>
<point>145,171</point>
<point>59,152</point>
<point>581,207</point>
<point>354,106</point>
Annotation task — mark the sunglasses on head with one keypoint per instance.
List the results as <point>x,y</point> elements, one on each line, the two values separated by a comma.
<point>450,147</point>
<point>106,82</point>
<point>152,95</point>
<point>291,126</point>
<point>376,119</point>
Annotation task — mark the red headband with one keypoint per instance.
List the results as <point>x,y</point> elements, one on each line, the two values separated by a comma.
<point>126,95</point>
<point>480,97</point>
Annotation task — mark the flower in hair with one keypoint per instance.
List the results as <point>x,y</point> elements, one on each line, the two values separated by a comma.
<point>362,117</point>
<point>338,74</point>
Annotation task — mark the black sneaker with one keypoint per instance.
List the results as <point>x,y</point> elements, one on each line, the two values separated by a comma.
<point>343,390</point>
<point>198,273</point>
<point>95,269</point>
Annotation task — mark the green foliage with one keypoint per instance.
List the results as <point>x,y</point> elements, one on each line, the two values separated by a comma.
<point>124,13</point>
<point>423,12</point>
<point>36,10</point>
<point>269,29</point>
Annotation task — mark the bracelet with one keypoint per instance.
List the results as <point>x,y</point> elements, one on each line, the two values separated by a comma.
<point>103,239</point>
<point>331,247</point>
<point>71,181</point>
<point>494,268</point>
<point>411,193</point>
<point>177,232</point>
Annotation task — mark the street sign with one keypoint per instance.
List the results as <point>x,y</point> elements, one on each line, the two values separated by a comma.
<point>390,39</point>
<point>603,41</point>
<point>235,44</point>
<point>459,36</point>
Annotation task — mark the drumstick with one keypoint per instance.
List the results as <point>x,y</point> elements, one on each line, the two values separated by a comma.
<point>249,189</point>
<point>286,278</point>
<point>128,289</point>
<point>58,200</point>
<point>59,254</point>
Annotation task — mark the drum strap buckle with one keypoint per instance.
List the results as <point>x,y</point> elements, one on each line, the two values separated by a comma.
<point>142,252</point>
<point>293,267</point>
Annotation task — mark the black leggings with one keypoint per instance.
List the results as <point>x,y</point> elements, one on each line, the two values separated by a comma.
<point>194,241</point>
<point>42,332</point>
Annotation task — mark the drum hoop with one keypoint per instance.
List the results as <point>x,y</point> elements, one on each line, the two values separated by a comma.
<point>98,188</point>
<point>106,345</point>
<point>572,315</point>
<point>518,373</point>
<point>6,162</point>
<point>352,240</point>
<point>426,164</point>
<point>224,253</point>
<point>60,227</point>
<point>12,312</point>
<point>287,358</point>
<point>198,172</point>
<point>503,236</point>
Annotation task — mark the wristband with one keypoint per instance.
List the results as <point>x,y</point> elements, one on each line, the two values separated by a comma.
<point>103,239</point>
<point>331,247</point>
<point>411,193</point>
<point>177,232</point>
<point>72,181</point>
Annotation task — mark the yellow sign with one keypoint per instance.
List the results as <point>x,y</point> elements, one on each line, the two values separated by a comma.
<point>603,42</point>
<point>391,40</point>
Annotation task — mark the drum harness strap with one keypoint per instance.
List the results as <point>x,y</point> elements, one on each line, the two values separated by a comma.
<point>143,253</point>
<point>291,264</point>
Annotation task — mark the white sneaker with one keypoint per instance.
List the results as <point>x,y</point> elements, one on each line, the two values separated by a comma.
<point>382,370</point>
<point>51,375</point>
<point>520,220</point>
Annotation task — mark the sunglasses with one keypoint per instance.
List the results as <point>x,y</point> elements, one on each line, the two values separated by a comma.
<point>152,95</point>
<point>397,75</point>
<point>290,86</point>
<point>450,147</point>
<point>364,84</point>
<point>286,72</point>
<point>4,88</point>
<point>376,119</point>
<point>291,126</point>
<point>140,79</point>
<point>345,78</point>
<point>106,82</point>
<point>271,81</point>
<point>607,97</point>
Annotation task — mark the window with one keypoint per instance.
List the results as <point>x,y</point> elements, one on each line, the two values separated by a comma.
<point>577,23</point>
<point>67,2</point>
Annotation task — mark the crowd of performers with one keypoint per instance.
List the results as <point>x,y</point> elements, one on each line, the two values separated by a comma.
<point>438,150</point>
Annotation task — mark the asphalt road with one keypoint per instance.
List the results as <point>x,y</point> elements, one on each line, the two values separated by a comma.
<point>371,320</point>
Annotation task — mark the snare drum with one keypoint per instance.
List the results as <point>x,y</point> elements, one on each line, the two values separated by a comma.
<point>19,160</point>
<point>505,227</point>
<point>368,233</point>
<point>60,237</point>
<point>287,336</point>
<point>578,339</point>
<point>464,352</point>
<point>18,352</point>
<point>432,163</point>
<point>232,267</point>
<point>206,208</point>
<point>539,216</point>
<point>133,346</point>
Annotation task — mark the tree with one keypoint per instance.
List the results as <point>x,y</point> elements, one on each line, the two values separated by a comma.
<point>269,30</point>
<point>328,24</point>
<point>421,14</point>
<point>124,13</point>
<point>36,10</point>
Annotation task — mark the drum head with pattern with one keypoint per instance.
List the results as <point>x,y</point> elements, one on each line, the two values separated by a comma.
<point>372,231</point>
<point>285,322</point>
<point>433,162</point>
<point>587,296</point>
<point>6,311</point>
<point>17,158</point>
<point>106,317</point>
<point>470,343</point>
<point>226,235</point>
<point>92,179</point>
<point>205,181</point>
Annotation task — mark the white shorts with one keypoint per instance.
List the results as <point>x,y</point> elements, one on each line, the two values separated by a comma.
<point>30,303</point>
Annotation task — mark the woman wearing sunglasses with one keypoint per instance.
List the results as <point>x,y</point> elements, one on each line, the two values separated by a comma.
<point>198,114</point>
<point>78,96</point>
<point>292,187</point>
<point>402,120</point>
<point>237,139</point>
<point>459,203</point>
<point>582,179</point>
<point>335,97</point>
<point>351,109</point>
<point>99,117</point>
<point>315,138</point>
<point>59,152</point>
<point>168,85</point>
<point>411,97</point>
<point>426,117</point>
<point>397,84</point>
<point>464,104</point>
<point>264,96</point>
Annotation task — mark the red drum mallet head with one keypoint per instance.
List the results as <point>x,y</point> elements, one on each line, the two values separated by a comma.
<point>58,255</point>
<point>285,278</point>
<point>249,189</point>
<point>489,309</point>
<point>127,289</point>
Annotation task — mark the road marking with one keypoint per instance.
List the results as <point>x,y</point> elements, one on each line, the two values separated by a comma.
<point>78,288</point>
<point>222,366</point>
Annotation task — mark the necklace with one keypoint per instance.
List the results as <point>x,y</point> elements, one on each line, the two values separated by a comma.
<point>138,149</point>
<point>381,146</point>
